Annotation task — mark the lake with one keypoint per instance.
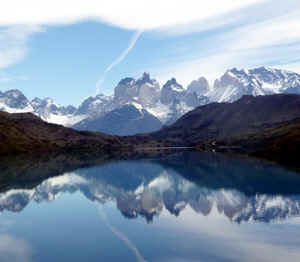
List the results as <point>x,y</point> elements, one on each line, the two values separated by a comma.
<point>186,206</point>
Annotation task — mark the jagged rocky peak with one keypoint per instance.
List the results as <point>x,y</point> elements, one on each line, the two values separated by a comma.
<point>14,93</point>
<point>125,90</point>
<point>45,107</point>
<point>233,85</point>
<point>258,81</point>
<point>200,86</point>
<point>171,91</point>
<point>144,79</point>
<point>148,90</point>
<point>280,81</point>
<point>36,102</point>
<point>145,91</point>
<point>234,76</point>
<point>127,81</point>
<point>14,99</point>
<point>49,103</point>
<point>94,105</point>
<point>172,83</point>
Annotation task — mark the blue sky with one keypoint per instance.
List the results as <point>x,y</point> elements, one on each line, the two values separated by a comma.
<point>64,54</point>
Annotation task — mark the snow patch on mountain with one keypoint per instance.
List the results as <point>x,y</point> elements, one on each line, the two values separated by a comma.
<point>259,81</point>
<point>4,107</point>
<point>66,120</point>
<point>166,104</point>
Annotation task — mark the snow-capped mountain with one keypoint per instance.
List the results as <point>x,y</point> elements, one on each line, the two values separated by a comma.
<point>166,104</point>
<point>259,81</point>
<point>145,91</point>
<point>94,106</point>
<point>13,101</point>
<point>130,119</point>
<point>51,112</point>
<point>152,106</point>
<point>173,100</point>
<point>171,91</point>
<point>199,86</point>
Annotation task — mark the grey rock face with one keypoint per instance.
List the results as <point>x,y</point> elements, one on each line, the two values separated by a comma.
<point>200,86</point>
<point>47,106</point>
<point>125,91</point>
<point>259,81</point>
<point>148,90</point>
<point>171,91</point>
<point>14,99</point>
<point>193,99</point>
<point>145,91</point>
<point>95,106</point>
<point>126,120</point>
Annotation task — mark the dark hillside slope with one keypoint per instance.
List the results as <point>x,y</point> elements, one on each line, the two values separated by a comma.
<point>225,121</point>
<point>21,133</point>
<point>280,143</point>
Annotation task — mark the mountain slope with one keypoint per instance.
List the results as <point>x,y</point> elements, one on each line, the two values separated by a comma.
<point>225,120</point>
<point>28,133</point>
<point>124,121</point>
<point>258,81</point>
<point>280,143</point>
<point>14,101</point>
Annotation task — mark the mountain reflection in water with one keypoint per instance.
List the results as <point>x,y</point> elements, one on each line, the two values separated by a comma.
<point>187,186</point>
<point>240,189</point>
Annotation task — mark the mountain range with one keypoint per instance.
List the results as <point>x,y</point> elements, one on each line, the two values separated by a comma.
<point>142,106</point>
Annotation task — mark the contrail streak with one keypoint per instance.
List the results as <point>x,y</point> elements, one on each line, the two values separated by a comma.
<point>121,236</point>
<point>117,61</point>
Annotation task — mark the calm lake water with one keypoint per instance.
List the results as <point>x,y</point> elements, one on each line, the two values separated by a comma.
<point>183,207</point>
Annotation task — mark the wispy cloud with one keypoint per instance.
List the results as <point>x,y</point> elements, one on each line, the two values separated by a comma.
<point>13,43</point>
<point>119,59</point>
<point>254,38</point>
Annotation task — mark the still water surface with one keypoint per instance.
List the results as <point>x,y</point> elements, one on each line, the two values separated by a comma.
<point>185,207</point>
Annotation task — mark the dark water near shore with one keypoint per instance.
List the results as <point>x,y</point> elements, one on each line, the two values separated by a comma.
<point>183,207</point>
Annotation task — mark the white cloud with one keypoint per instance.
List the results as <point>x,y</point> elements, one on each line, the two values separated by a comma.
<point>13,43</point>
<point>280,30</point>
<point>273,41</point>
<point>253,32</point>
<point>133,14</point>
